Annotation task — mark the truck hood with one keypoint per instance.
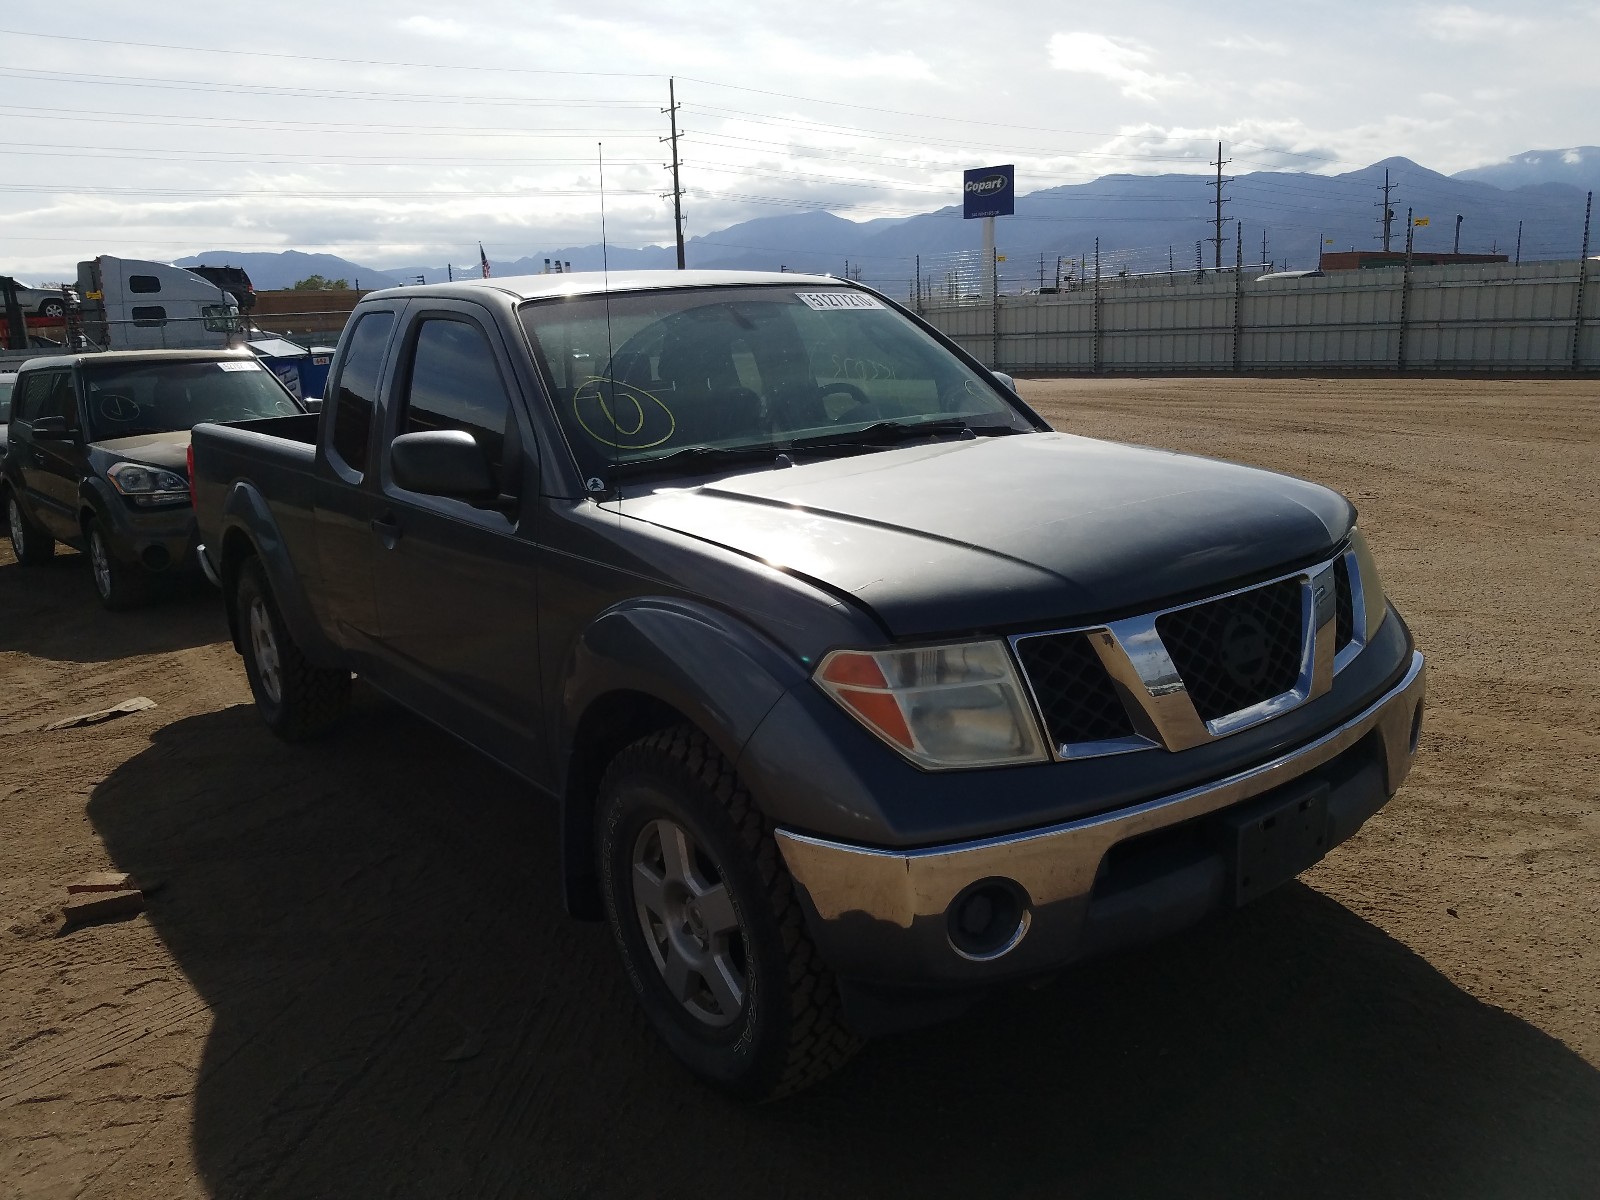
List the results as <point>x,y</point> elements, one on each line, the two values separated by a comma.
<point>1005,532</point>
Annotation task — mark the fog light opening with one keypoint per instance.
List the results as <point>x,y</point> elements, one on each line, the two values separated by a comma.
<point>156,558</point>
<point>1416,727</point>
<point>987,919</point>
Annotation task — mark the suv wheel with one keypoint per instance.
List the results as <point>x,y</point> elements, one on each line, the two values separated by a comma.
<point>29,543</point>
<point>53,309</point>
<point>709,926</point>
<point>298,701</point>
<point>117,585</point>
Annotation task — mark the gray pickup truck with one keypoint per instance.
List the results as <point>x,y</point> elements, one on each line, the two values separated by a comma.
<point>858,689</point>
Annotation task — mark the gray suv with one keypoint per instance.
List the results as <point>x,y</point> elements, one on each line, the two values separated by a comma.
<point>97,456</point>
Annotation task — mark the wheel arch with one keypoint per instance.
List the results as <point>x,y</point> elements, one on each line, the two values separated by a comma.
<point>642,666</point>
<point>248,528</point>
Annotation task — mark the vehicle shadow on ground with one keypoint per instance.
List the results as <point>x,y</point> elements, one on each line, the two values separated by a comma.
<point>51,611</point>
<point>401,1009</point>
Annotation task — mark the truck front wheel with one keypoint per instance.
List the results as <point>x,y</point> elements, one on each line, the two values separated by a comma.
<point>708,923</point>
<point>298,701</point>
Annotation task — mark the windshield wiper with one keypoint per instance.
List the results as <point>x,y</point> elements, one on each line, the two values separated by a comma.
<point>891,433</point>
<point>699,456</point>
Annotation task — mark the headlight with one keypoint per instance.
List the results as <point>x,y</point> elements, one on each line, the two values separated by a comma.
<point>941,706</point>
<point>148,485</point>
<point>1371,586</point>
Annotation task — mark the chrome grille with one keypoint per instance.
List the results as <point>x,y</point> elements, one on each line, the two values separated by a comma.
<point>1075,695</point>
<point>1239,650</point>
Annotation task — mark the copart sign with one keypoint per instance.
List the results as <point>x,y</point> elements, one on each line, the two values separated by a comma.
<point>989,192</point>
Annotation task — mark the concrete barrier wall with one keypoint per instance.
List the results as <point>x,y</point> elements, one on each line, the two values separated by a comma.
<point>1496,317</point>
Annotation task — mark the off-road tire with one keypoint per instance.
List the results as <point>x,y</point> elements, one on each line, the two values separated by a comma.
<point>309,700</point>
<point>789,1033</point>
<point>118,585</point>
<point>29,543</point>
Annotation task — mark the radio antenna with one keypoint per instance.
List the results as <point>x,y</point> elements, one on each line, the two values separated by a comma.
<point>611,352</point>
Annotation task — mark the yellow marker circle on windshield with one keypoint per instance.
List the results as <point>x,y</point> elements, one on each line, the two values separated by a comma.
<point>629,419</point>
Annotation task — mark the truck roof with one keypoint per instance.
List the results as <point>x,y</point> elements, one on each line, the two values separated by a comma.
<point>115,356</point>
<point>582,283</point>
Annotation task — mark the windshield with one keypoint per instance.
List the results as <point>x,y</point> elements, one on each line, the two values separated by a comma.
<point>748,368</point>
<point>159,397</point>
<point>7,383</point>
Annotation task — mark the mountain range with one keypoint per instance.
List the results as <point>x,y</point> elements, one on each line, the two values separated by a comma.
<point>1531,202</point>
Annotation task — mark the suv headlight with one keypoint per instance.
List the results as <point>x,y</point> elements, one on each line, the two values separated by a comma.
<point>940,706</point>
<point>1371,586</point>
<point>146,485</point>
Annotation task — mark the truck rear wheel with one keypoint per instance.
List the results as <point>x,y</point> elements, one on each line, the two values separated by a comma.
<point>298,701</point>
<point>710,928</point>
<point>29,543</point>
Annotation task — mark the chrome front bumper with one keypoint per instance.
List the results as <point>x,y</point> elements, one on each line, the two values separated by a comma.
<point>882,914</point>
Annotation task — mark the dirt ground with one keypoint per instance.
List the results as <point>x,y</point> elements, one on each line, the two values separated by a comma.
<point>355,979</point>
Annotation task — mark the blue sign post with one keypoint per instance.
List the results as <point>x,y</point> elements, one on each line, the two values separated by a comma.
<point>989,192</point>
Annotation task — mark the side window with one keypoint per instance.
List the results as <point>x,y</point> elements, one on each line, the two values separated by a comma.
<point>455,385</point>
<point>357,390</point>
<point>50,395</point>
<point>31,391</point>
<point>148,316</point>
<point>144,284</point>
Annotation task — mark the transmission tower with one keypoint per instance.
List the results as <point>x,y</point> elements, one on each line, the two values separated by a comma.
<point>1216,239</point>
<point>1386,210</point>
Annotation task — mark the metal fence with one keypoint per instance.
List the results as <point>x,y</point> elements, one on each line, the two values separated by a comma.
<point>1496,317</point>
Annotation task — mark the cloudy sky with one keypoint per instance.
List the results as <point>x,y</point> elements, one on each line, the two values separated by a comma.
<point>396,133</point>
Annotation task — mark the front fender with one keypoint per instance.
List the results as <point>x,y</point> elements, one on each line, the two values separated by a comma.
<point>247,518</point>
<point>647,662</point>
<point>715,669</point>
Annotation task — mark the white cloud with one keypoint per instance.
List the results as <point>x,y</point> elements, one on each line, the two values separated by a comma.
<point>1249,44</point>
<point>1462,23</point>
<point>1121,61</point>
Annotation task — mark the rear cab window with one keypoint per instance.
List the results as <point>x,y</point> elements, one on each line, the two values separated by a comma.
<point>353,395</point>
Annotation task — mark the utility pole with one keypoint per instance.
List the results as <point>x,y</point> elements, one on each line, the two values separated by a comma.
<point>1405,294</point>
<point>1519,244</point>
<point>1216,240</point>
<point>1387,219</point>
<point>1041,270</point>
<point>1583,271</point>
<point>1199,262</point>
<point>1264,265</point>
<point>1457,249</point>
<point>1238,296</point>
<point>677,187</point>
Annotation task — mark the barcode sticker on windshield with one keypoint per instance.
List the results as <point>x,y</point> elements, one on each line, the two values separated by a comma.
<point>824,301</point>
<point>240,366</point>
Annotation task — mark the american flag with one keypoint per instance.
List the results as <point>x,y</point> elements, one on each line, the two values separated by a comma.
<point>484,259</point>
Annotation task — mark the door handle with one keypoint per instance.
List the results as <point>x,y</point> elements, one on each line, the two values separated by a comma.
<point>387,529</point>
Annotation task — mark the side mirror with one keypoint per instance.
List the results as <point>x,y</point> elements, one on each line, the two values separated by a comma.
<point>313,403</point>
<point>51,429</point>
<point>445,462</point>
<point>1005,379</point>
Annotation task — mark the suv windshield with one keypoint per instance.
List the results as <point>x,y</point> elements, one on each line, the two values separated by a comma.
<point>158,397</point>
<point>749,368</point>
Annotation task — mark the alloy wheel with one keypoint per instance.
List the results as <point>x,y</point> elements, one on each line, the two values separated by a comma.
<point>264,644</point>
<point>19,532</point>
<point>690,924</point>
<point>100,559</point>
